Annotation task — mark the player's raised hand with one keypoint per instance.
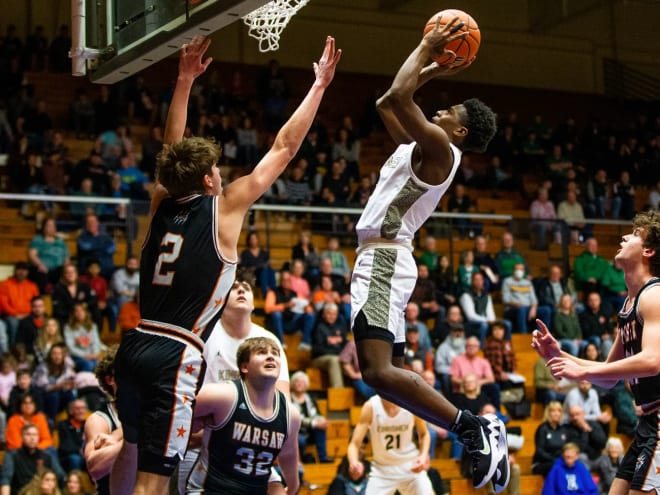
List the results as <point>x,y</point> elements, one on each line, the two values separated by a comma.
<point>190,62</point>
<point>544,343</point>
<point>324,69</point>
<point>438,38</point>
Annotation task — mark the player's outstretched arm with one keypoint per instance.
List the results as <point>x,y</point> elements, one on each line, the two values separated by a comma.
<point>288,456</point>
<point>243,192</point>
<point>548,348</point>
<point>644,363</point>
<point>191,65</point>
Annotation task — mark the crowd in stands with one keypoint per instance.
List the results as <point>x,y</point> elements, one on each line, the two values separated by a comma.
<point>456,315</point>
<point>452,321</point>
<point>52,312</point>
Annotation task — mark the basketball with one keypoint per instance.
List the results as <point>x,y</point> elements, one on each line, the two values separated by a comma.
<point>466,48</point>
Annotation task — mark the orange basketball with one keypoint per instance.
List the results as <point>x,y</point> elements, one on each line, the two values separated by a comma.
<point>466,48</point>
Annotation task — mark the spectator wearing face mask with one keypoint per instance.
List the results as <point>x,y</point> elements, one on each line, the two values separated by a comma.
<point>520,300</point>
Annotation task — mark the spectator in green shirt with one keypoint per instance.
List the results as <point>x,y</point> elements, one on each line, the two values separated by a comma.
<point>589,267</point>
<point>508,257</point>
<point>430,256</point>
<point>614,287</point>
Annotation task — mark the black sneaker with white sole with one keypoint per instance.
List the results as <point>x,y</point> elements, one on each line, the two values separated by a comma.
<point>488,448</point>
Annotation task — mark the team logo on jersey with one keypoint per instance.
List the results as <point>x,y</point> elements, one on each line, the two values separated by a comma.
<point>392,162</point>
<point>641,460</point>
<point>181,217</point>
<point>242,406</point>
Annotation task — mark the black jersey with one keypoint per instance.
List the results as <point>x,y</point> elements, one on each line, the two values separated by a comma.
<point>237,456</point>
<point>646,390</point>
<point>184,277</point>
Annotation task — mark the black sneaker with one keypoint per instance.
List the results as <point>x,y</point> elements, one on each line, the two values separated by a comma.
<point>489,451</point>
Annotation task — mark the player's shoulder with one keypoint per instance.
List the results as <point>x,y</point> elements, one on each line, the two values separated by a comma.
<point>646,301</point>
<point>224,389</point>
<point>97,422</point>
<point>370,404</point>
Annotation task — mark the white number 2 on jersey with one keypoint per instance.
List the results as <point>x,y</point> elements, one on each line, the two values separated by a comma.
<point>171,242</point>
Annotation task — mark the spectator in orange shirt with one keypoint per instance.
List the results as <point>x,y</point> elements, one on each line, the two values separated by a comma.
<point>129,316</point>
<point>27,413</point>
<point>16,295</point>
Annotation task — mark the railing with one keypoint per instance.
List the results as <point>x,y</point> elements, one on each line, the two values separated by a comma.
<point>127,224</point>
<point>455,230</point>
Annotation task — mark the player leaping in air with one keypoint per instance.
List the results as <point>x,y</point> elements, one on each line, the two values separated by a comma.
<point>410,185</point>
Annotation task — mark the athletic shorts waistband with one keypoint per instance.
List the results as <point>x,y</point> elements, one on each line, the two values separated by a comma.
<point>171,331</point>
<point>382,245</point>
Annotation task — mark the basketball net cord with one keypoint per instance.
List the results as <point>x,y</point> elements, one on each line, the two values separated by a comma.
<point>267,22</point>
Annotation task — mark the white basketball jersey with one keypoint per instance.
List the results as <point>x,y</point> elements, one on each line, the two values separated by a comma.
<point>391,436</point>
<point>401,202</point>
<point>220,354</point>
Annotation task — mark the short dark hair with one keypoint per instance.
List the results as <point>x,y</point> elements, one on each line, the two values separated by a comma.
<point>246,275</point>
<point>481,123</point>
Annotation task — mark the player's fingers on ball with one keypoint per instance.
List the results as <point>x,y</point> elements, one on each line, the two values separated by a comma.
<point>451,24</point>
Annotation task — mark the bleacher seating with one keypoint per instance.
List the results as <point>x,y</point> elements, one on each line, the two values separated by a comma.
<point>340,404</point>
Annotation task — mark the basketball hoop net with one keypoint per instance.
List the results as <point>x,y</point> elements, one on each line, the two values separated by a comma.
<point>267,23</point>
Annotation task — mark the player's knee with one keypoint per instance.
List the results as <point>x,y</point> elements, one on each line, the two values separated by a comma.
<point>376,376</point>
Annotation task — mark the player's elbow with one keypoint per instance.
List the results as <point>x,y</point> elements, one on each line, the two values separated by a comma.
<point>384,102</point>
<point>394,97</point>
<point>653,365</point>
<point>96,468</point>
<point>285,147</point>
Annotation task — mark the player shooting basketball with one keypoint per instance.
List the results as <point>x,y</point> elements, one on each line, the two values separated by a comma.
<point>410,185</point>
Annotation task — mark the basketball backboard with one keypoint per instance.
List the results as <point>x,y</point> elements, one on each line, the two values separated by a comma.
<point>114,39</point>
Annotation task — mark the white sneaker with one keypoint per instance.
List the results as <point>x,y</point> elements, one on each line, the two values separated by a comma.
<point>490,454</point>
